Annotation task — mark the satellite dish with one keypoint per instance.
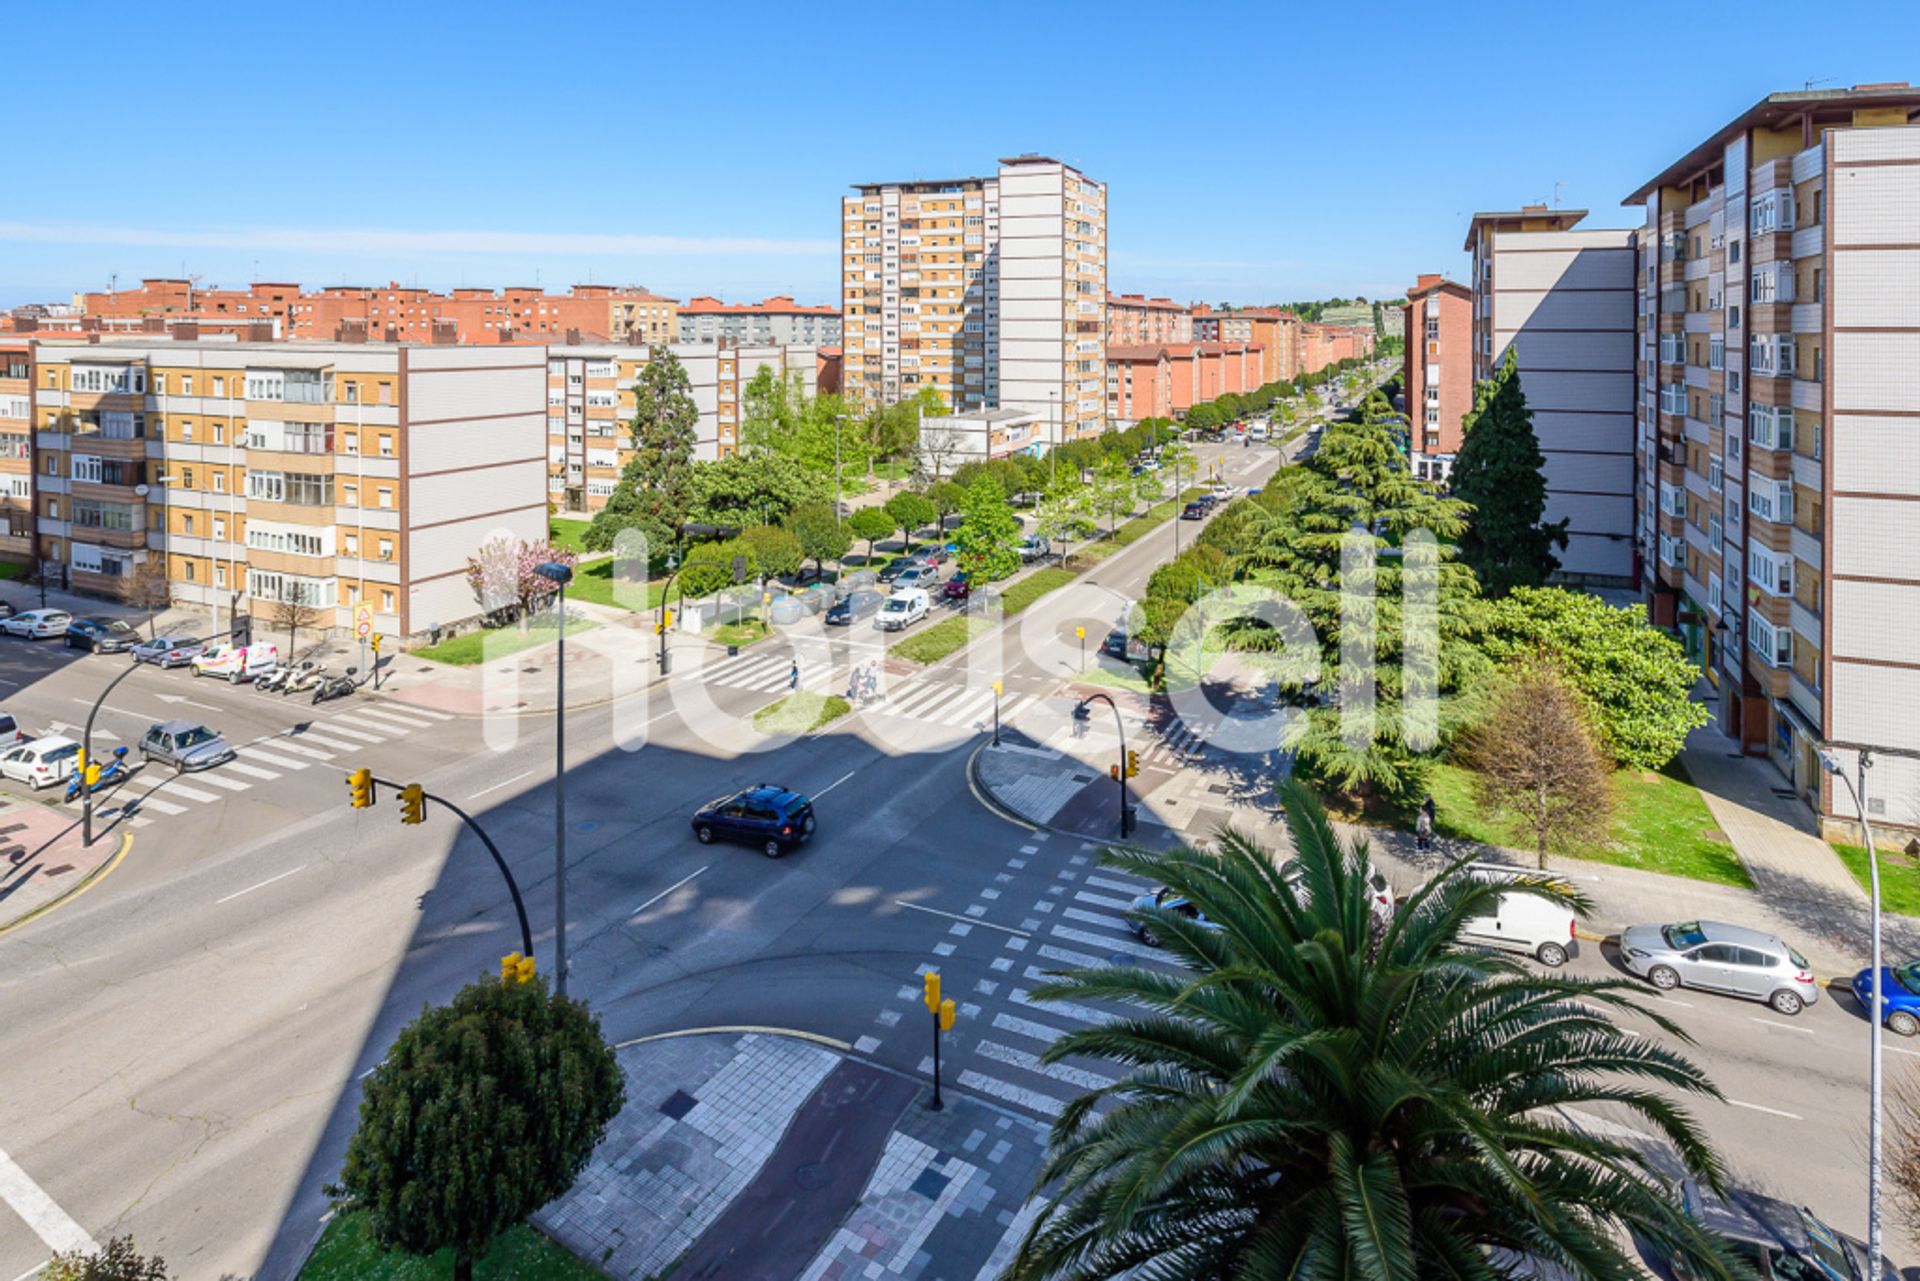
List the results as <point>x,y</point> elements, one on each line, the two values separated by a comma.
<point>139,491</point>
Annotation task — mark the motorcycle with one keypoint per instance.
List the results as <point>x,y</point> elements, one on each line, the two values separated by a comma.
<point>112,772</point>
<point>335,686</point>
<point>309,675</point>
<point>268,682</point>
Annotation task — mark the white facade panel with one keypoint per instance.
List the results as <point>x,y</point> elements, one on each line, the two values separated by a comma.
<point>1875,144</point>
<point>1531,269</point>
<point>446,547</point>
<point>1592,513</point>
<point>1553,390</point>
<point>1586,351</point>
<point>1875,455</point>
<point>1595,309</point>
<point>433,499</point>
<point>1596,556</point>
<point>1876,620</point>
<point>447,445</point>
<point>1874,537</point>
<point>1876,371</point>
<point>1877,288</point>
<point>481,392</point>
<point>1875,705</point>
<point>1589,473</point>
<point>1879,205</point>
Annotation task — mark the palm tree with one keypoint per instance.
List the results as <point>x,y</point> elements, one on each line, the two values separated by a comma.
<point>1321,1094</point>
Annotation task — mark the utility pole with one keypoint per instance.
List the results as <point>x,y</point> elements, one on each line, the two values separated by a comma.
<point>559,575</point>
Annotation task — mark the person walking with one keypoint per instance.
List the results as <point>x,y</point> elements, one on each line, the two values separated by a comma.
<point>793,675</point>
<point>1423,826</point>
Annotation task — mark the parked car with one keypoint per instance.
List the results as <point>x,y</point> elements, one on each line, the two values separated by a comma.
<point>896,567</point>
<point>1720,958</point>
<point>6,609</point>
<point>1524,923</point>
<point>955,588</point>
<point>10,731</point>
<point>920,577</point>
<point>42,762</point>
<point>1034,547</point>
<point>37,624</point>
<point>1194,511</point>
<point>101,635</point>
<point>1781,1242</point>
<point>853,607</point>
<point>1257,432</point>
<point>168,651</point>
<point>1380,892</point>
<point>185,745</point>
<point>904,608</point>
<point>237,662</point>
<point>935,555</point>
<point>772,818</point>
<point>1116,644</point>
<point>1899,995</point>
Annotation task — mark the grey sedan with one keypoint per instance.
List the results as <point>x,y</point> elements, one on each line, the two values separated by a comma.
<point>185,745</point>
<point>1729,959</point>
<point>168,651</point>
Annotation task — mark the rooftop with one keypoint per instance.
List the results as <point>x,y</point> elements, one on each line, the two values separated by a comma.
<point>1562,219</point>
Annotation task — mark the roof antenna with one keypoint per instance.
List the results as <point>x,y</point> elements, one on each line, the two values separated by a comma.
<point>1556,192</point>
<point>1825,80</point>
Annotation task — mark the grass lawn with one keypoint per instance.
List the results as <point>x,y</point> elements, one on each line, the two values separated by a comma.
<point>345,1253</point>
<point>478,647</point>
<point>745,632</point>
<point>567,534</point>
<point>934,643</point>
<point>10,572</point>
<point>1101,675</point>
<point>1899,878</point>
<point>1660,825</point>
<point>1032,588</point>
<point>800,713</point>
<point>595,583</point>
<point>1087,555</point>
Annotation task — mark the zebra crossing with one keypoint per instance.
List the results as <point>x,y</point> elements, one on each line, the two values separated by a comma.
<point>926,701</point>
<point>265,760</point>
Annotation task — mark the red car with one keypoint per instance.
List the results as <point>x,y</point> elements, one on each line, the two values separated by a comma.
<point>956,588</point>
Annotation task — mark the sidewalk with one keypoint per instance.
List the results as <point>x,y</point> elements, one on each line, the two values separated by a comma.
<point>761,1157</point>
<point>42,861</point>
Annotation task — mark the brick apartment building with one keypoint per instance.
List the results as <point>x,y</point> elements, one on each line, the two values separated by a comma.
<point>1134,320</point>
<point>1278,334</point>
<point>1164,380</point>
<point>1437,371</point>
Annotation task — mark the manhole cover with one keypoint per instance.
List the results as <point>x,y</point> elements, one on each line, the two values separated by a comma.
<point>811,1175</point>
<point>1083,778</point>
<point>678,1104</point>
<point>1220,789</point>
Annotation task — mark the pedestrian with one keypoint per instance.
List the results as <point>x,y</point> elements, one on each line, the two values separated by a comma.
<point>793,675</point>
<point>1423,826</point>
<point>873,681</point>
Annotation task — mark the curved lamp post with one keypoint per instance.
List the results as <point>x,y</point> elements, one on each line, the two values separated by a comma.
<point>559,575</point>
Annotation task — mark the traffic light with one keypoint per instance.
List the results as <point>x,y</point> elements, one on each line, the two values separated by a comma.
<point>931,981</point>
<point>516,968</point>
<point>361,783</point>
<point>80,761</point>
<point>1133,763</point>
<point>92,776</point>
<point>946,1016</point>
<point>413,803</point>
<point>1113,772</point>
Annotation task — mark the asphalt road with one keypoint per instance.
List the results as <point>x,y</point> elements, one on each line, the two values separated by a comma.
<point>184,1041</point>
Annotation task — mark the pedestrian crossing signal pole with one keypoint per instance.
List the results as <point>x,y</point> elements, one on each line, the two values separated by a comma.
<point>942,1011</point>
<point>997,687</point>
<point>1081,632</point>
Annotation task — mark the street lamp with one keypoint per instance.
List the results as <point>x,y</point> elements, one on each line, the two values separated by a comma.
<point>1128,765</point>
<point>86,741</point>
<point>838,421</point>
<point>559,575</point>
<point>1863,761</point>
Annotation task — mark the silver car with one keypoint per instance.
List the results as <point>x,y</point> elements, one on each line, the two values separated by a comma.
<point>185,745</point>
<point>168,651</point>
<point>1730,959</point>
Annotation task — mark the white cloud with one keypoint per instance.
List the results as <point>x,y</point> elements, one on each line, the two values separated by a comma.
<point>373,240</point>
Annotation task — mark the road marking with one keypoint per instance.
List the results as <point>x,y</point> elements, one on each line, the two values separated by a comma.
<point>284,744</point>
<point>311,737</point>
<point>262,885</point>
<point>174,787</point>
<point>1128,946</point>
<point>954,916</point>
<point>430,715</point>
<point>284,762</point>
<point>835,783</point>
<point>121,711</point>
<point>670,889</point>
<point>1784,1027</point>
<point>359,722</point>
<point>1032,1100</point>
<point>252,771</point>
<point>1085,1013</point>
<point>49,1222</point>
<point>334,727</point>
<point>398,718</point>
<point>231,784</point>
<point>1060,1072</point>
<point>1755,1107</point>
<point>474,796</point>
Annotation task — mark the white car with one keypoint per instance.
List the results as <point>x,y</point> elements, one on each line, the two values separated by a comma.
<point>38,624</point>
<point>903,609</point>
<point>1523,923</point>
<point>237,662</point>
<point>41,763</point>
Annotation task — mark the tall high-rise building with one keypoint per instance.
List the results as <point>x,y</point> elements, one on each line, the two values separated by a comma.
<point>1438,371</point>
<point>1779,429</point>
<point>989,290</point>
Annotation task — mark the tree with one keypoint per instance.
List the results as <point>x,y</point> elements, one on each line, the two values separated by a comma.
<point>871,524</point>
<point>766,411</point>
<point>299,606</point>
<point>1324,1093</point>
<point>822,534</point>
<point>117,1260</point>
<point>1508,541</point>
<point>1634,680</point>
<point>493,576</point>
<point>1064,513</point>
<point>910,511</point>
<point>1178,462</point>
<point>149,588</point>
<point>530,585</point>
<point>946,498</point>
<point>652,493</point>
<point>989,534</point>
<point>1903,1150</point>
<point>1538,763</point>
<point>1113,493</point>
<point>939,445</point>
<point>751,488</point>
<point>776,552</point>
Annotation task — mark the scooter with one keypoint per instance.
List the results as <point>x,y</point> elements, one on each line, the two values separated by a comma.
<point>114,771</point>
<point>309,675</point>
<point>335,686</point>
<point>273,680</point>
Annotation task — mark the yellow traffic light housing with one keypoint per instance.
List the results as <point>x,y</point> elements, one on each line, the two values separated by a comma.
<point>92,776</point>
<point>931,981</point>
<point>360,782</point>
<point>413,803</point>
<point>516,967</point>
<point>1133,763</point>
<point>946,1016</point>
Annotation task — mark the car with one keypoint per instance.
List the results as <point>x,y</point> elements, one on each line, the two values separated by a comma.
<point>1034,547</point>
<point>6,609</point>
<point>904,608</point>
<point>853,607</point>
<point>237,662</point>
<point>42,762</point>
<point>37,624</point>
<point>185,745</point>
<point>10,731</point>
<point>1116,644</point>
<point>1194,511</point>
<point>1522,922</point>
<point>168,651</point>
<point>896,567</point>
<point>955,588</point>
<point>935,555</point>
<point>1257,433</point>
<point>1717,957</point>
<point>101,635</point>
<point>1379,891</point>
<point>920,577</point>
<point>774,819</point>
<point>1899,995</point>
<point>1780,1241</point>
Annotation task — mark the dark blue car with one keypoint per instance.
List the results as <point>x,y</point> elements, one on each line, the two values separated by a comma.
<point>1899,995</point>
<point>772,819</point>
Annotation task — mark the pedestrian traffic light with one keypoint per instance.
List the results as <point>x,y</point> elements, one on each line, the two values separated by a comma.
<point>931,981</point>
<point>1113,772</point>
<point>361,783</point>
<point>946,1016</point>
<point>413,803</point>
<point>80,761</point>
<point>92,776</point>
<point>1133,763</point>
<point>516,968</point>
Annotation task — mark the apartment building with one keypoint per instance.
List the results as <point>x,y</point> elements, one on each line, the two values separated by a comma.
<point>399,313</point>
<point>16,453</point>
<point>1779,430</point>
<point>1134,320</point>
<point>1437,371</point>
<point>590,404</point>
<point>1563,298</point>
<point>1323,345</point>
<point>990,290</point>
<point>1165,380</point>
<point>779,321</point>
<point>183,296</point>
<point>977,435</point>
<point>1278,333</point>
<point>262,475</point>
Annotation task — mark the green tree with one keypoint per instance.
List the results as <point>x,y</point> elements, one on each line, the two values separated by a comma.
<point>910,512</point>
<point>1113,493</point>
<point>1508,541</point>
<point>870,525</point>
<point>776,552</point>
<point>946,498</point>
<point>483,1110</point>
<point>1177,461</point>
<point>989,534</point>
<point>117,1260</point>
<point>823,535</point>
<point>1633,679</point>
<point>652,494</point>
<point>766,411</point>
<point>1064,514</point>
<point>715,567</point>
<point>1321,1093</point>
<point>750,488</point>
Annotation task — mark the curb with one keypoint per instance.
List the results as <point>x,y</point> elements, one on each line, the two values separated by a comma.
<point>85,883</point>
<point>988,801</point>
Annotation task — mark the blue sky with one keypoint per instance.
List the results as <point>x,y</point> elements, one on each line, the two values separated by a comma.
<point>1252,151</point>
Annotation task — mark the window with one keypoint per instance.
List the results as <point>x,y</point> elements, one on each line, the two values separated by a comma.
<point>386,601</point>
<point>85,467</point>
<point>1773,644</point>
<point>386,549</point>
<point>220,387</point>
<point>1716,476</point>
<point>386,496</point>
<point>219,482</point>
<point>1770,426</point>
<point>1716,352</point>
<point>386,445</point>
<point>1770,571</point>
<point>1771,499</point>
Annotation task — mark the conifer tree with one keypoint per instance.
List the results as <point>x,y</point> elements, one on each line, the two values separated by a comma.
<point>1508,541</point>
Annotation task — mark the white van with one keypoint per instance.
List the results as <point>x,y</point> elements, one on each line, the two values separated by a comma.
<point>1524,923</point>
<point>903,609</point>
<point>1257,433</point>
<point>238,662</point>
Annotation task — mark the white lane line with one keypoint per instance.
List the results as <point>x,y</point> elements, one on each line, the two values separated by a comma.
<point>1031,1063</point>
<point>835,783</point>
<point>670,889</point>
<point>231,784</point>
<point>323,740</point>
<point>1784,1027</point>
<point>253,753</point>
<point>1755,1107</point>
<point>288,745</point>
<point>474,796</point>
<point>121,711</point>
<point>262,885</point>
<point>49,1222</point>
<point>251,771</point>
<point>174,787</point>
<point>955,916</point>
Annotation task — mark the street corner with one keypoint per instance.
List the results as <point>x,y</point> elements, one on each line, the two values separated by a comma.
<point>44,863</point>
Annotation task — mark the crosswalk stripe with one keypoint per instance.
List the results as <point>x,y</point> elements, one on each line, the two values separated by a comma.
<point>1032,1100</point>
<point>1111,882</point>
<point>311,737</point>
<point>287,745</point>
<point>181,790</point>
<point>268,758</point>
<point>1010,708</point>
<point>914,699</point>
<point>362,723</point>
<point>967,709</point>
<point>1079,960</point>
<point>155,804</point>
<point>251,771</point>
<point>429,714</point>
<point>1027,1028</point>
<point>383,715</point>
<point>231,784</point>
<point>1084,1013</point>
<point>925,707</point>
<point>1061,1072</point>
<point>1101,900</point>
<point>1128,946</point>
<point>334,728</point>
